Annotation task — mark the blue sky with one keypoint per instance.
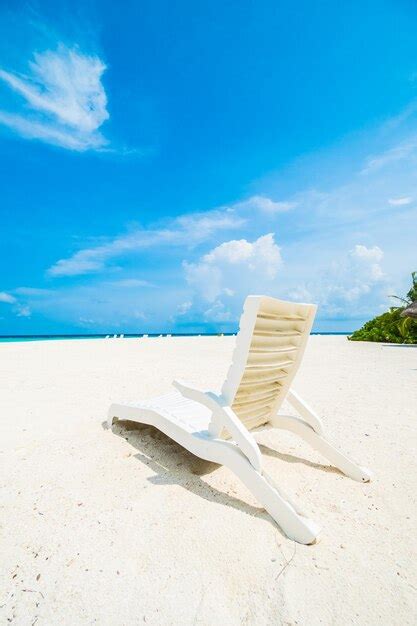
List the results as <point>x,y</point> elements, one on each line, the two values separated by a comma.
<point>161,161</point>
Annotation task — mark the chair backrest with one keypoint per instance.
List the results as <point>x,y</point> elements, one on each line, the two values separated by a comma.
<point>269,347</point>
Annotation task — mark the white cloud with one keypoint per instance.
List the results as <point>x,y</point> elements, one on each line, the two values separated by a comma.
<point>262,254</point>
<point>200,226</point>
<point>131,283</point>
<point>265,204</point>
<point>185,230</point>
<point>218,312</point>
<point>50,133</point>
<point>7,297</point>
<point>231,252</point>
<point>400,201</point>
<point>403,150</point>
<point>238,266</point>
<point>23,310</point>
<point>351,285</point>
<point>184,307</point>
<point>371,258</point>
<point>139,315</point>
<point>65,99</point>
<point>363,252</point>
<point>83,262</point>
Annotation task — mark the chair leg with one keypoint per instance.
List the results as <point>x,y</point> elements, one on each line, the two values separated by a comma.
<point>322,445</point>
<point>286,513</point>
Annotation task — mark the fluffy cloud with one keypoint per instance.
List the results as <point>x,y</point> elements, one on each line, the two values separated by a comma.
<point>235,266</point>
<point>371,254</point>
<point>372,257</point>
<point>65,99</point>
<point>352,285</point>
<point>225,275</point>
<point>262,255</point>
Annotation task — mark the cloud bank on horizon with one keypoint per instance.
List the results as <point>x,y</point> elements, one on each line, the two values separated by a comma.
<point>335,227</point>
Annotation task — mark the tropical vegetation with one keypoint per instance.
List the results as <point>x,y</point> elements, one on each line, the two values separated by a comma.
<point>394,326</point>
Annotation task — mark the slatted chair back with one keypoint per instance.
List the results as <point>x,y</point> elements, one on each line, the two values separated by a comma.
<point>269,347</point>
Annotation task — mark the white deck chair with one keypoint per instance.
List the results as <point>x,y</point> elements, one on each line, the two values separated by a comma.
<point>269,348</point>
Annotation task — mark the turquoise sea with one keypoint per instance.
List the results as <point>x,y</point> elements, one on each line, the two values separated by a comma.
<point>16,338</point>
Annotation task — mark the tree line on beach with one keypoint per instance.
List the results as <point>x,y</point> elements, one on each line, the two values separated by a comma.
<point>397,325</point>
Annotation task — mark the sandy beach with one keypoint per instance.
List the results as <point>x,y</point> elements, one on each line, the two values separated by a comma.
<point>125,527</point>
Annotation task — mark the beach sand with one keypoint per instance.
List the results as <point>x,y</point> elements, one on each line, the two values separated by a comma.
<point>126,527</point>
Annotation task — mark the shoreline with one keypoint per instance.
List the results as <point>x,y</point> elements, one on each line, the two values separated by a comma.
<point>25,338</point>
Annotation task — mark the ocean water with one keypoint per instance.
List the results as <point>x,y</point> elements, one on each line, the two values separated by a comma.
<point>17,338</point>
<point>13,339</point>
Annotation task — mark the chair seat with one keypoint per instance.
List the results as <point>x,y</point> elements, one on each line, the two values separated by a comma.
<point>192,416</point>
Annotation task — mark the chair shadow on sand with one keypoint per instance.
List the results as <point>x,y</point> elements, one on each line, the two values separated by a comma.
<point>173,464</point>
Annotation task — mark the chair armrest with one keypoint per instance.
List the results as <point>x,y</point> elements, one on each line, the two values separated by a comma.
<point>225,417</point>
<point>305,411</point>
<point>206,397</point>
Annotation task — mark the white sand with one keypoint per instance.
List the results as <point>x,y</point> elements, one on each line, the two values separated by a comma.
<point>125,527</point>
